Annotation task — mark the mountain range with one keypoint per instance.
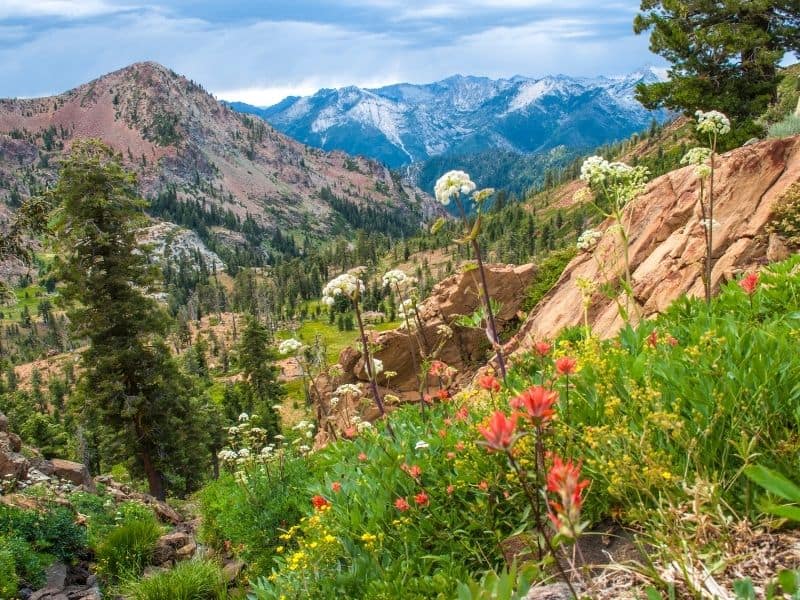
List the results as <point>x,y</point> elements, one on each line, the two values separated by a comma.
<point>407,123</point>
<point>224,173</point>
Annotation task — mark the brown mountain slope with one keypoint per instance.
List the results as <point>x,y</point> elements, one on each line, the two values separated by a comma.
<point>174,133</point>
<point>667,247</point>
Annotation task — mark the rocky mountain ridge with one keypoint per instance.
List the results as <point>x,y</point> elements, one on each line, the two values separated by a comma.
<point>178,137</point>
<point>405,123</point>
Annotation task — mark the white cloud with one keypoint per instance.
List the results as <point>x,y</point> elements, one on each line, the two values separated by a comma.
<point>71,9</point>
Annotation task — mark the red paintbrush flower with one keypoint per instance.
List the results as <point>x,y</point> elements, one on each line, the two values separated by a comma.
<point>536,403</point>
<point>499,434</point>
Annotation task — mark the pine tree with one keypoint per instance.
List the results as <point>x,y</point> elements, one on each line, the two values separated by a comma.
<point>133,399</point>
<point>723,55</point>
<point>256,358</point>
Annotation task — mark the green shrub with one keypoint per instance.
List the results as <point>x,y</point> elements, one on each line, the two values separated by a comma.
<point>785,219</point>
<point>8,573</point>
<point>126,550</point>
<point>547,275</point>
<point>250,516</point>
<point>28,565</point>
<point>190,580</point>
<point>788,127</point>
<point>53,531</point>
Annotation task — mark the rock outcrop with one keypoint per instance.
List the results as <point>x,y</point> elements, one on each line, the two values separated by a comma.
<point>667,244</point>
<point>466,349</point>
<point>13,465</point>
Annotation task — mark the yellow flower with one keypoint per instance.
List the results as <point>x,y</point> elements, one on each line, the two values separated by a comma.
<point>279,549</point>
<point>329,539</point>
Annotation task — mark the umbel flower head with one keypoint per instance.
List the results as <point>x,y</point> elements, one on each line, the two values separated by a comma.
<point>394,277</point>
<point>699,158</point>
<point>588,239</point>
<point>289,346</point>
<point>345,284</point>
<point>625,181</point>
<point>451,184</point>
<point>712,122</point>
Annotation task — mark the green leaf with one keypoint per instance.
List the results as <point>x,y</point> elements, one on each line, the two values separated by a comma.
<point>653,594</point>
<point>773,482</point>
<point>789,581</point>
<point>784,510</point>
<point>438,224</point>
<point>744,590</point>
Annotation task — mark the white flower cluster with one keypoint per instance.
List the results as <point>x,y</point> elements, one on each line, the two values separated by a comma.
<point>405,311</point>
<point>334,401</point>
<point>621,182</point>
<point>290,346</point>
<point>345,284</point>
<point>305,429</point>
<point>588,239</point>
<point>394,277</point>
<point>347,389</point>
<point>421,445</point>
<point>451,184</point>
<point>712,122</point>
<point>706,223</point>
<point>698,157</point>
<point>377,366</point>
<point>360,425</point>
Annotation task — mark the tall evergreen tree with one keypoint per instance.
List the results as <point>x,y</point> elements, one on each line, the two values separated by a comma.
<point>724,54</point>
<point>256,358</point>
<point>133,399</point>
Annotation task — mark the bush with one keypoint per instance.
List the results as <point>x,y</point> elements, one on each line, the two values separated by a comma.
<point>126,550</point>
<point>547,275</point>
<point>249,516</point>
<point>190,580</point>
<point>52,531</point>
<point>28,565</point>
<point>788,127</point>
<point>8,573</point>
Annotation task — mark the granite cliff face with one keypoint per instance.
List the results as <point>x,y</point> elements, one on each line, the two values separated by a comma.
<point>667,244</point>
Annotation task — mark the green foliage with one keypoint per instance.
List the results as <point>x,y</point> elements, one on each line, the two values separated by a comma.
<point>780,486</point>
<point>250,515</point>
<point>138,406</point>
<point>547,274</point>
<point>189,580</point>
<point>8,573</point>
<point>256,359</point>
<point>509,584</point>
<point>126,550</point>
<point>724,56</point>
<point>789,126</point>
<point>53,531</point>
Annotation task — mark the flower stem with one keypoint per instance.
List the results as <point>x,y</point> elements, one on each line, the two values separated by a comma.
<point>368,364</point>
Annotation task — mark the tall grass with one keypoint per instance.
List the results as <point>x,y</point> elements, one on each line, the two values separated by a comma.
<point>788,127</point>
<point>190,580</point>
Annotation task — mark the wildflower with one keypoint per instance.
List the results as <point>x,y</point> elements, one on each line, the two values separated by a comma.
<point>450,489</point>
<point>443,395</point>
<point>484,485</point>
<point>564,480</point>
<point>437,368</point>
<point>489,383</point>
<point>451,184</point>
<point>336,486</point>
<point>542,348</point>
<point>749,283</point>
<point>672,341</point>
<point>444,331</point>
<point>401,504</point>
<point>334,401</point>
<point>345,284</point>
<point>460,446</point>
<point>290,346</point>
<point>244,418</point>
<point>362,457</point>
<point>712,122</point>
<point>421,445</point>
<point>462,414</point>
<point>391,398</point>
<point>566,365</point>
<point>588,239</point>
<point>499,434</point>
<point>698,157</point>
<point>481,195</point>
<point>451,455</point>
<point>421,499</point>
<point>652,339</point>
<point>350,433</point>
<point>537,402</point>
<point>394,277</point>
<point>348,389</point>
<point>319,502</point>
<point>414,470</point>
<point>377,367</point>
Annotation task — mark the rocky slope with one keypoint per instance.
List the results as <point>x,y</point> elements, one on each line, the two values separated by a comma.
<point>405,123</point>
<point>174,134</point>
<point>667,246</point>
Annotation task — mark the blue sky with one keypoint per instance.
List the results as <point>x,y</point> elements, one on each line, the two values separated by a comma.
<point>259,51</point>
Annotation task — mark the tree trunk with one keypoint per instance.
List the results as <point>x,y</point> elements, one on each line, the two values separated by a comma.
<point>154,480</point>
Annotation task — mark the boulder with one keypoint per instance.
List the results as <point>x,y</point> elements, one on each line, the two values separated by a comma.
<point>75,472</point>
<point>553,591</point>
<point>231,569</point>
<point>186,551</point>
<point>168,546</point>
<point>12,464</point>
<point>666,241</point>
